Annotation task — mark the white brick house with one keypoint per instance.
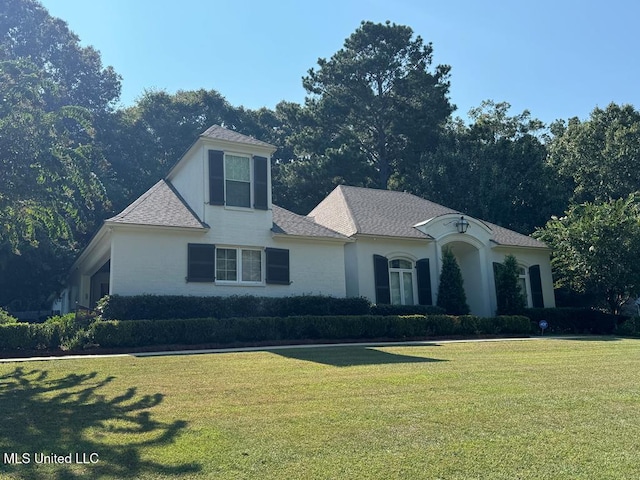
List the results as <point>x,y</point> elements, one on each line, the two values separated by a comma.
<point>210,228</point>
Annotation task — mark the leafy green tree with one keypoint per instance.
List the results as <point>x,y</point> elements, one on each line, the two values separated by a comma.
<point>451,294</point>
<point>50,193</point>
<point>599,159</point>
<point>27,31</point>
<point>495,169</point>
<point>375,102</point>
<point>510,297</point>
<point>595,249</point>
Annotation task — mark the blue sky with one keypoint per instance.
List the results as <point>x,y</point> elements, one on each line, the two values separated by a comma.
<point>556,58</point>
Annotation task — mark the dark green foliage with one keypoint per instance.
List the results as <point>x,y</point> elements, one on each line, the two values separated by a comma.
<point>451,296</point>
<point>69,331</point>
<point>510,298</point>
<point>595,250</point>
<point>26,336</point>
<point>490,157</point>
<point>388,309</point>
<point>5,318</point>
<point>64,333</point>
<point>376,102</point>
<point>629,328</point>
<point>158,307</point>
<point>599,158</point>
<point>27,31</point>
<point>114,333</point>
<point>574,320</point>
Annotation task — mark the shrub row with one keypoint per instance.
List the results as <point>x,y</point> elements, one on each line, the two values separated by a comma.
<point>25,336</point>
<point>64,333</point>
<point>630,327</point>
<point>117,333</point>
<point>159,307</point>
<point>574,320</point>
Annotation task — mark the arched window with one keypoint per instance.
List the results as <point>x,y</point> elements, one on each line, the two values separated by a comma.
<point>401,281</point>
<point>523,281</point>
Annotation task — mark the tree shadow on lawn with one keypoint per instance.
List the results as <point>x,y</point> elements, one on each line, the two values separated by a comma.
<point>72,415</point>
<point>351,356</point>
<point>587,338</point>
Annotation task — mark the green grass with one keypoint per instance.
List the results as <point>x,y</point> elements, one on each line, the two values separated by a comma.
<point>548,409</point>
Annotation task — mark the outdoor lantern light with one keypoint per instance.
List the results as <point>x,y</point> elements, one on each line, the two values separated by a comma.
<point>462,225</point>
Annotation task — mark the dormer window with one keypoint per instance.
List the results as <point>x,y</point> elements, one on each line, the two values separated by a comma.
<point>238,180</point>
<point>237,174</point>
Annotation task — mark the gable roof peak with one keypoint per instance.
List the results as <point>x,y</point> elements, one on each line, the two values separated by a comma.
<point>217,132</point>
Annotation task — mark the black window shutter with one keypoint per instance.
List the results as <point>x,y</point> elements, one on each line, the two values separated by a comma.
<point>201,262</point>
<point>536,286</point>
<point>381,276</point>
<point>260,190</point>
<point>277,266</point>
<point>424,282</point>
<point>216,177</point>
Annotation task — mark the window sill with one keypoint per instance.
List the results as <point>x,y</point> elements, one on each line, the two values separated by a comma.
<point>238,209</point>
<point>223,283</point>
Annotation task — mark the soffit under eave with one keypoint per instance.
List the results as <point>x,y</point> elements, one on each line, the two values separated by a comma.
<point>100,243</point>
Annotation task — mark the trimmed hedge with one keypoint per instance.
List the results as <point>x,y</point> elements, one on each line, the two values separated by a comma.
<point>26,336</point>
<point>159,307</point>
<point>382,309</point>
<point>142,333</point>
<point>574,320</point>
<point>630,327</point>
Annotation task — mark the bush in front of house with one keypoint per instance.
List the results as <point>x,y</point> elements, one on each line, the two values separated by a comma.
<point>26,336</point>
<point>574,320</point>
<point>629,328</point>
<point>451,295</point>
<point>509,296</point>
<point>384,310</point>
<point>6,318</point>
<point>251,330</point>
<point>157,307</point>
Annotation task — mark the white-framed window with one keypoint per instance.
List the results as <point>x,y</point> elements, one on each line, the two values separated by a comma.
<point>523,281</point>
<point>237,176</point>
<point>238,265</point>
<point>401,281</point>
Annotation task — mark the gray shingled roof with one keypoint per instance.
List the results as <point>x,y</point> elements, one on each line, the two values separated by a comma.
<point>289,223</point>
<point>355,210</point>
<point>162,206</point>
<point>220,133</point>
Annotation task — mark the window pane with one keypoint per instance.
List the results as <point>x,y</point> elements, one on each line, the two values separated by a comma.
<point>396,299</point>
<point>523,287</point>
<point>226,265</point>
<point>238,194</point>
<point>407,285</point>
<point>237,168</point>
<point>251,266</point>
<point>406,264</point>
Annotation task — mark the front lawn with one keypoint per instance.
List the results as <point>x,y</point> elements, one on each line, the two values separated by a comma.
<point>490,410</point>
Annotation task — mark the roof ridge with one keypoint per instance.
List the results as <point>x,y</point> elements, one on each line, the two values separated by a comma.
<point>218,132</point>
<point>184,202</point>
<point>308,219</point>
<point>352,218</point>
